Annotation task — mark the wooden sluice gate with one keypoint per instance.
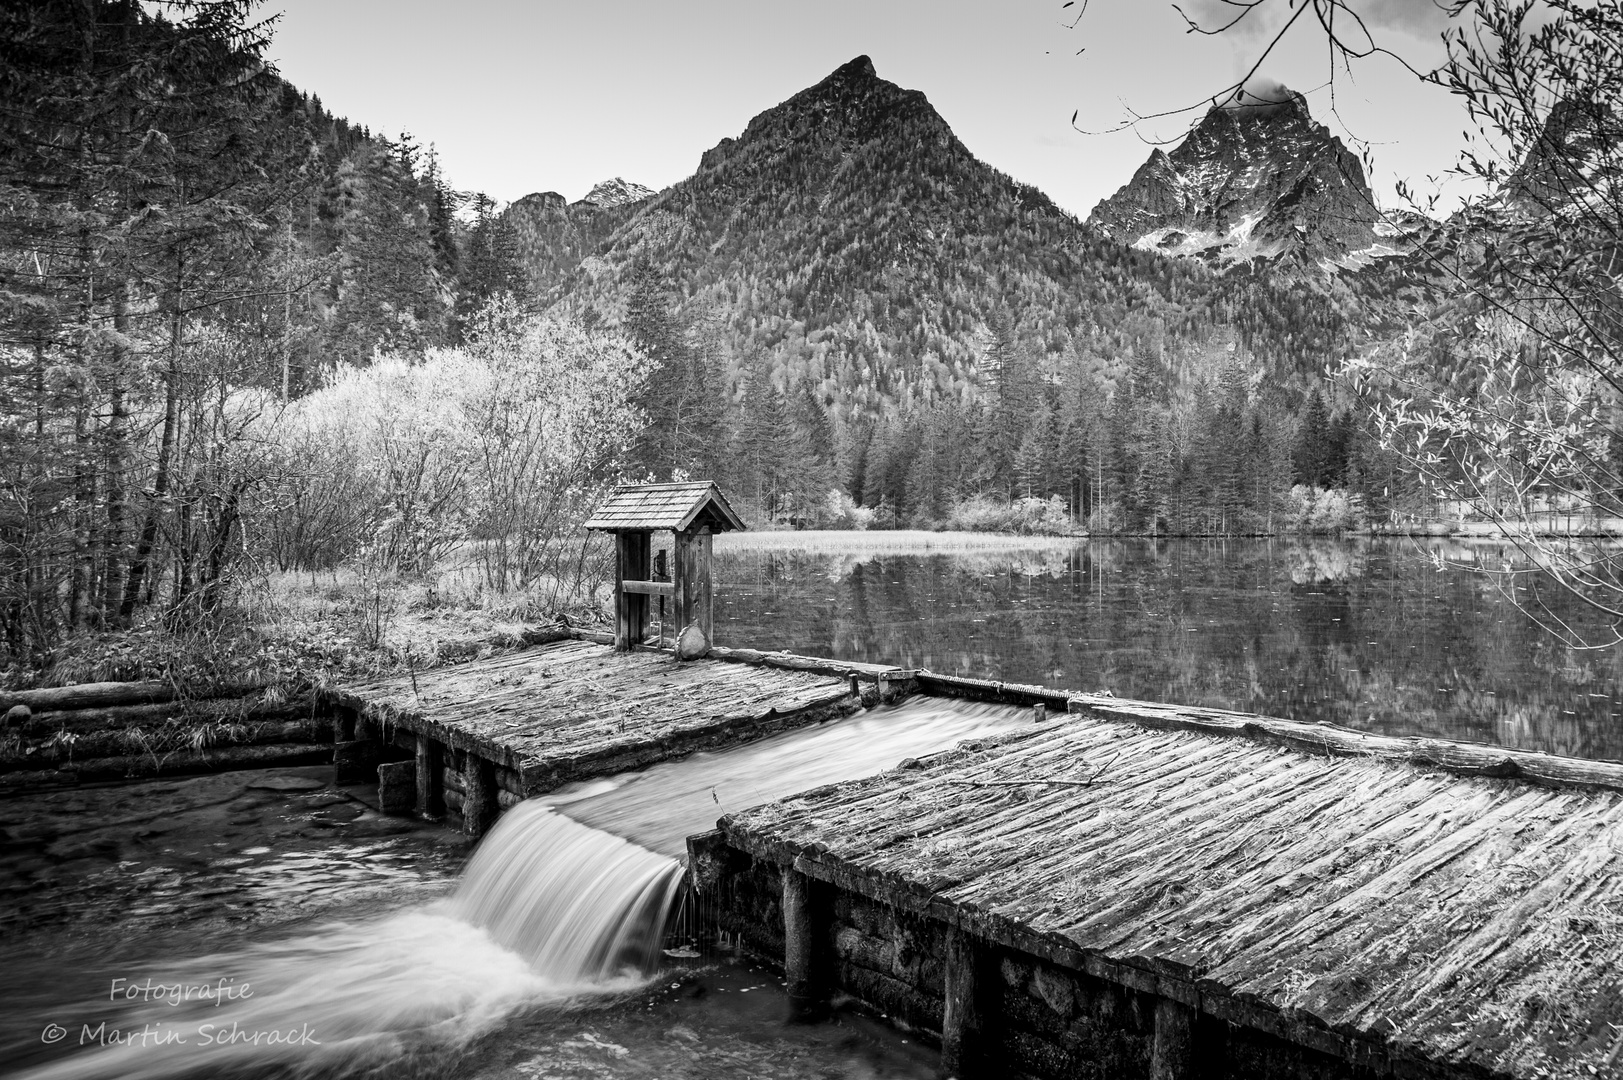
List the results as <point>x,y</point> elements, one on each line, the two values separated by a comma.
<point>1137,890</point>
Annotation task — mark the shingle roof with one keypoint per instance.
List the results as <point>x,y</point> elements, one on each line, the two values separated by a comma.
<point>664,506</point>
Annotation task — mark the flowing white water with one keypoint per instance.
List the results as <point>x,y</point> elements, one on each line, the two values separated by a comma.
<point>547,909</point>
<point>577,903</point>
<point>661,806</point>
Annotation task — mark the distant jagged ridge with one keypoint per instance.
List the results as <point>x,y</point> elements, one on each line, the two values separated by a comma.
<point>1256,179</point>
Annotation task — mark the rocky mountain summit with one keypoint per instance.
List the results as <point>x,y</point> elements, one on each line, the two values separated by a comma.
<point>1258,178</point>
<point>615,192</point>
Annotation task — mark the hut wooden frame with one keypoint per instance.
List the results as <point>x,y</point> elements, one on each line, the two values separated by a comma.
<point>693,512</point>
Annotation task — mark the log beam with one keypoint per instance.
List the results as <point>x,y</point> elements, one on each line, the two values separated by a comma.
<point>430,779</point>
<point>1172,1049</point>
<point>479,807</point>
<point>631,559</point>
<point>806,994</point>
<point>962,1019</point>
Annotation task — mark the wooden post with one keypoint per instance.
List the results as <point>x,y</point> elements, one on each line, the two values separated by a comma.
<point>355,751</point>
<point>430,778</point>
<point>1172,1050</point>
<point>694,601</point>
<point>963,1053</point>
<point>479,807</point>
<point>631,563</point>
<point>397,788</point>
<point>799,953</point>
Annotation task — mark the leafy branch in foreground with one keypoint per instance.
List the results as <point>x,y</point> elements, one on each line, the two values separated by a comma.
<point>1506,396</point>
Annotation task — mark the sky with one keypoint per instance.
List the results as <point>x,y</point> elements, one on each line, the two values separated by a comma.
<point>518,97</point>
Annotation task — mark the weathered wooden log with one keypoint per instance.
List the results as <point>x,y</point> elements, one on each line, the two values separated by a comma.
<point>1329,740</point>
<point>1172,1048</point>
<point>121,741</point>
<point>228,710</point>
<point>902,1000</point>
<point>355,761</point>
<point>693,608</point>
<point>929,682</point>
<point>631,563</point>
<point>429,774</point>
<point>479,806</point>
<point>546,635</point>
<point>179,763</point>
<point>88,695</point>
<point>711,860</point>
<point>397,787</point>
<point>806,996</point>
<point>510,780</point>
<point>962,1021</point>
<point>816,665</point>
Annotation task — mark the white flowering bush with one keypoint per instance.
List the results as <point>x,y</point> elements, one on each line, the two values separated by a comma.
<point>501,447</point>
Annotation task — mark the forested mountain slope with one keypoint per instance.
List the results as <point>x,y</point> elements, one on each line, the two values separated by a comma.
<point>851,252</point>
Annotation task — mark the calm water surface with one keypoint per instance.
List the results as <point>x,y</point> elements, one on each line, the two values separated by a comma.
<point>1390,636</point>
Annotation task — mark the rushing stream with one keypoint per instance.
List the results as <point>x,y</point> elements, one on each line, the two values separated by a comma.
<point>551,914</point>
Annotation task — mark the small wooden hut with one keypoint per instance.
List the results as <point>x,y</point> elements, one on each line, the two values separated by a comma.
<point>693,513</point>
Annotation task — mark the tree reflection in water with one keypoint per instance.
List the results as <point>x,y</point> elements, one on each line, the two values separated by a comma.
<point>1381,635</point>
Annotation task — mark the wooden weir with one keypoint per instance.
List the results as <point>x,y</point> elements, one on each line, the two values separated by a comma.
<point>1130,890</point>
<point>468,741</point>
<point>1122,889</point>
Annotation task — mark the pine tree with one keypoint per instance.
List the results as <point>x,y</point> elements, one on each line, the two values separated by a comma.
<point>1313,454</point>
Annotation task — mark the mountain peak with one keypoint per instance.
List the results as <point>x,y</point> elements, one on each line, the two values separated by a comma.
<point>849,107</point>
<point>616,191</point>
<point>860,68</point>
<point>1258,177</point>
<point>1264,100</point>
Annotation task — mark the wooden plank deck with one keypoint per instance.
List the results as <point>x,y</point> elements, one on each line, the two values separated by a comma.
<point>1381,910</point>
<point>576,708</point>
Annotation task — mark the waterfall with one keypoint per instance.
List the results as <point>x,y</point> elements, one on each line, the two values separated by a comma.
<point>548,909</point>
<point>579,904</point>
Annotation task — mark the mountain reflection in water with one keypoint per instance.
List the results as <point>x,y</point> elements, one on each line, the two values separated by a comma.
<point>1391,636</point>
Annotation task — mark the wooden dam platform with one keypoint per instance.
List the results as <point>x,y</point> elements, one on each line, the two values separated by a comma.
<point>486,734</point>
<point>1123,889</point>
<point>1135,889</point>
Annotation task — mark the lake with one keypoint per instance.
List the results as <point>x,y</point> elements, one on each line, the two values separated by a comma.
<point>1398,636</point>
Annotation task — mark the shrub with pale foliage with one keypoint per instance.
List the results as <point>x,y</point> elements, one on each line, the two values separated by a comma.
<point>1323,511</point>
<point>503,445</point>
